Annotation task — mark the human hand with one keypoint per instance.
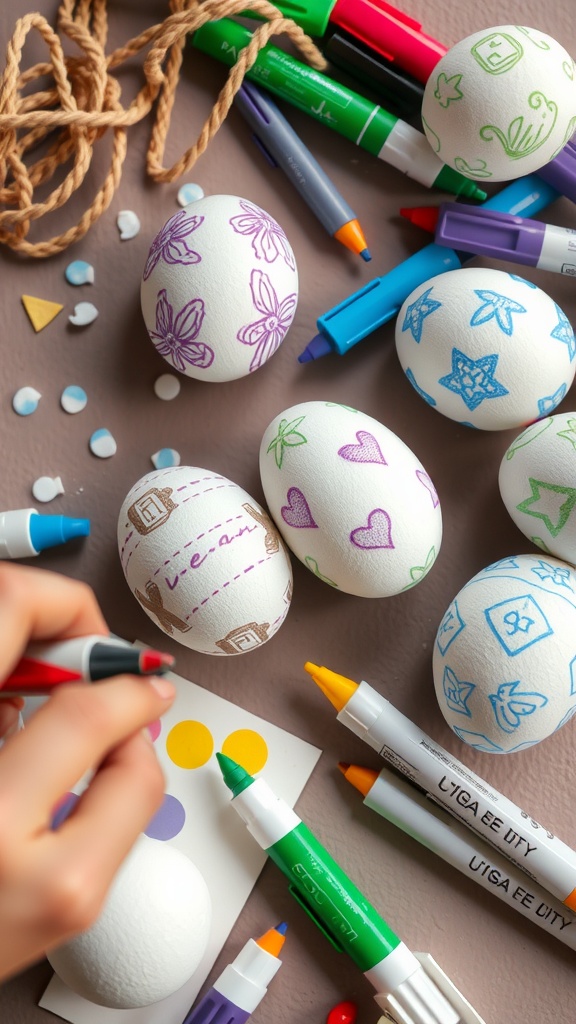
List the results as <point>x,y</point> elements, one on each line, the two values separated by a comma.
<point>53,882</point>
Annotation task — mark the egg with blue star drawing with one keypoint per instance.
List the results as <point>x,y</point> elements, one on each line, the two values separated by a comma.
<point>504,660</point>
<point>486,348</point>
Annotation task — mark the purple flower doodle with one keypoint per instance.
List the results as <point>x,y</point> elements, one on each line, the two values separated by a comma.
<point>269,240</point>
<point>171,243</point>
<point>267,332</point>
<point>175,336</point>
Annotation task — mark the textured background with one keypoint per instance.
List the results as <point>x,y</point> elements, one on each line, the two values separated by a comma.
<point>499,960</point>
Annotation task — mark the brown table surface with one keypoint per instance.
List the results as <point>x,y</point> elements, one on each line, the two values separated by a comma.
<point>504,965</point>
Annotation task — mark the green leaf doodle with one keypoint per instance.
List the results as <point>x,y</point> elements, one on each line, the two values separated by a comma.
<point>287,437</point>
<point>477,170</point>
<point>432,137</point>
<point>312,564</point>
<point>524,136</point>
<point>418,572</point>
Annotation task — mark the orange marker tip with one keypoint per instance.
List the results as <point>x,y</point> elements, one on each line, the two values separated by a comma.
<point>310,667</point>
<point>342,1013</point>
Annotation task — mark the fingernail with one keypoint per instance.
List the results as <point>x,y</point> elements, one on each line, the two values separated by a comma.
<point>164,688</point>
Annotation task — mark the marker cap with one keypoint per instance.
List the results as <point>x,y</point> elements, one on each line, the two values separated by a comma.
<point>381,75</point>
<point>560,173</point>
<point>489,233</point>
<point>422,998</point>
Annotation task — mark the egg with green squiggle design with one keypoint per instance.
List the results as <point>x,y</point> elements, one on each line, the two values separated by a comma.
<point>501,103</point>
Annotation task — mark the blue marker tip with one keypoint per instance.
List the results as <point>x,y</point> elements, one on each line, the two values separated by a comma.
<point>366,255</point>
<point>48,531</point>
<point>315,349</point>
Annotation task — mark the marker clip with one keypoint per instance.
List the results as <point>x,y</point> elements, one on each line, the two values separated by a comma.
<point>448,989</point>
<point>319,924</point>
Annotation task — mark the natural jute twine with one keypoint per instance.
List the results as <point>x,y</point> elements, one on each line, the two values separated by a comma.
<point>84,102</point>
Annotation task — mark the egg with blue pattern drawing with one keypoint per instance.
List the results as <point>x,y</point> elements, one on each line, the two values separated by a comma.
<point>504,660</point>
<point>486,348</point>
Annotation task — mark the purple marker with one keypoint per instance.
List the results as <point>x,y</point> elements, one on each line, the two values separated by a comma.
<point>243,983</point>
<point>506,237</point>
<point>560,173</point>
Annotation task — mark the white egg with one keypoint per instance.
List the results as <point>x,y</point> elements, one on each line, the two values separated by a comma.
<point>504,658</point>
<point>149,938</point>
<point>537,482</point>
<point>204,560</point>
<point>351,500</point>
<point>501,103</point>
<point>486,348</point>
<point>219,289</point>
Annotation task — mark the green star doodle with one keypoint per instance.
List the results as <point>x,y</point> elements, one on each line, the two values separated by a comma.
<point>541,544</point>
<point>312,564</point>
<point>563,511</point>
<point>447,91</point>
<point>525,135</point>
<point>287,437</point>
<point>570,433</point>
<point>418,572</point>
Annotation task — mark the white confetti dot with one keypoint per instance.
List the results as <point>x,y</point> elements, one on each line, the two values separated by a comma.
<point>73,398</point>
<point>102,444</point>
<point>25,401</point>
<point>84,313</point>
<point>167,386</point>
<point>45,488</point>
<point>128,224</point>
<point>79,272</point>
<point>189,193</point>
<point>165,457</point>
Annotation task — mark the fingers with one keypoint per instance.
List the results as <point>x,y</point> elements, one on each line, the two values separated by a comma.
<point>71,733</point>
<point>10,708</point>
<point>39,605</point>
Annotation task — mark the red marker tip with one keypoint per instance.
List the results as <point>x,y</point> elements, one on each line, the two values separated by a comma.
<point>342,1013</point>
<point>153,662</point>
<point>423,216</point>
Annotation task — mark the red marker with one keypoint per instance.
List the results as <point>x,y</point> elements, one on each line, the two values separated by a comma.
<point>82,659</point>
<point>423,216</point>
<point>342,1013</point>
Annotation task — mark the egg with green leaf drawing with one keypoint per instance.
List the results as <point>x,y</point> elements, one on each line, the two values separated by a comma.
<point>501,103</point>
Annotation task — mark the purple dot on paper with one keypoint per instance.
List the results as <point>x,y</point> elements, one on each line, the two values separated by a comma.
<point>63,809</point>
<point>168,821</point>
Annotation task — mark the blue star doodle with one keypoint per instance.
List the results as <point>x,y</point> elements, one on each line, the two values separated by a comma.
<point>563,332</point>
<point>549,402</point>
<point>473,379</point>
<point>518,623</point>
<point>497,307</point>
<point>417,312</point>
<point>481,742</point>
<point>423,394</point>
<point>452,624</point>
<point>556,574</point>
<point>573,676</point>
<point>457,692</point>
<point>511,705</point>
<point>522,280</point>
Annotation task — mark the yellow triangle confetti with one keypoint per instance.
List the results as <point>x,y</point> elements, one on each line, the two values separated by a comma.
<point>40,311</point>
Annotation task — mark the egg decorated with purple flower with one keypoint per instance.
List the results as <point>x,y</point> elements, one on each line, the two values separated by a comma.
<point>219,289</point>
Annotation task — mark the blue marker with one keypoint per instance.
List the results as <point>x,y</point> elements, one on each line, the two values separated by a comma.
<point>25,533</point>
<point>381,299</point>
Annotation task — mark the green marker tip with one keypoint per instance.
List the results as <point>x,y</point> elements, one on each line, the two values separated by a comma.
<point>235,776</point>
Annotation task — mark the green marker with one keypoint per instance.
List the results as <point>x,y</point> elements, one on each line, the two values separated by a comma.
<point>358,119</point>
<point>410,988</point>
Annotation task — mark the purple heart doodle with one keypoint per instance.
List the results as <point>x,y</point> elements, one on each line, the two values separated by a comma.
<point>297,512</point>
<point>378,532</point>
<point>427,483</point>
<point>367,449</point>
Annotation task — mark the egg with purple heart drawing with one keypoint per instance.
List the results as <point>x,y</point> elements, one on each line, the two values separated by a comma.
<point>219,289</point>
<point>350,499</point>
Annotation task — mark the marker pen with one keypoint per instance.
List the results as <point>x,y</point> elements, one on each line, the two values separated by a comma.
<point>404,805</point>
<point>243,984</point>
<point>25,533</point>
<point>404,988</point>
<point>560,173</point>
<point>505,237</point>
<point>381,299</point>
<point>376,23</point>
<point>381,75</point>
<point>89,659</point>
<point>543,857</point>
<point>345,111</point>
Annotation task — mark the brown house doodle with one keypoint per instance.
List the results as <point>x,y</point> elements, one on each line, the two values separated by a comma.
<point>152,509</point>
<point>244,638</point>
<point>271,539</point>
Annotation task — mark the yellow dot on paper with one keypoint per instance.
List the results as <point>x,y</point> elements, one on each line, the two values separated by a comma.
<point>248,748</point>
<point>40,312</point>
<point>189,744</point>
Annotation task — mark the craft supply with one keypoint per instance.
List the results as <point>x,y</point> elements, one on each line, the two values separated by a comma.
<point>402,981</point>
<point>149,937</point>
<point>501,102</point>
<point>79,272</point>
<point>73,399</point>
<point>204,560</point>
<point>380,300</point>
<point>540,854</point>
<point>165,457</point>
<point>219,238</point>
<point>25,401</point>
<point>486,348</point>
<point>46,488</point>
<point>197,723</point>
<point>46,666</point>
<point>189,193</point>
<point>363,122</point>
<point>382,76</point>
<point>25,533</point>
<point>411,810</point>
<point>41,312</point>
<point>520,613</point>
<point>350,499</point>
<point>167,386</point>
<point>84,313</point>
<point>504,237</point>
<point>537,485</point>
<point>102,444</point>
<point>343,1013</point>
<point>243,984</point>
<point>560,173</point>
<point>378,24</point>
<point>128,224</point>
<point>283,147</point>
